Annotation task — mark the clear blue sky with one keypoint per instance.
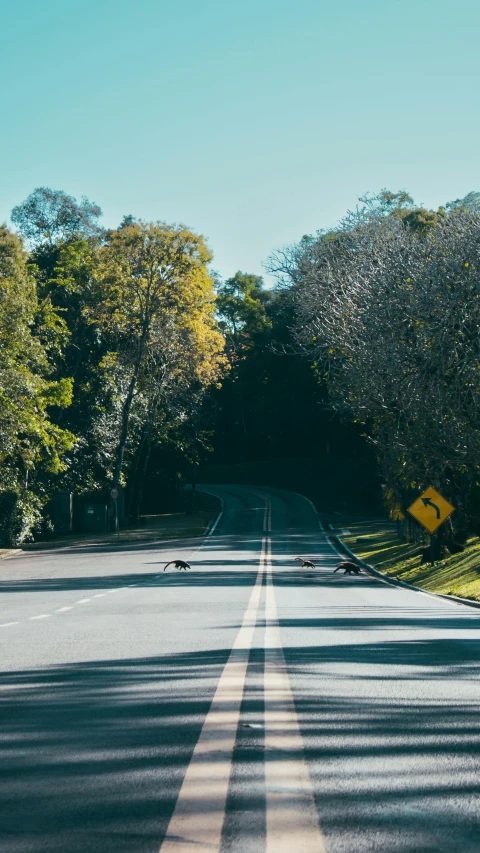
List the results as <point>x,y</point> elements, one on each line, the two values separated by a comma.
<point>253,122</point>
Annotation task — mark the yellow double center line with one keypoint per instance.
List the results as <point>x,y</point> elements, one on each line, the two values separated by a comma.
<point>291,820</point>
<point>197,822</point>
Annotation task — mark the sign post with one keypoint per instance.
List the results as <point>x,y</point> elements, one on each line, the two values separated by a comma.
<point>431,510</point>
<point>114,497</point>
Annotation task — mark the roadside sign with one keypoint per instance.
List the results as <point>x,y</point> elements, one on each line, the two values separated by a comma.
<point>431,509</point>
<point>114,494</point>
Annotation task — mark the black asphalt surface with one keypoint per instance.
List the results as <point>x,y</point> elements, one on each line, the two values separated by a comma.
<point>109,666</point>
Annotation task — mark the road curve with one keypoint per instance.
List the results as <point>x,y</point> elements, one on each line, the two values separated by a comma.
<point>244,706</point>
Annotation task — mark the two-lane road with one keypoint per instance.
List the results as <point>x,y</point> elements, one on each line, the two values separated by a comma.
<point>245,706</point>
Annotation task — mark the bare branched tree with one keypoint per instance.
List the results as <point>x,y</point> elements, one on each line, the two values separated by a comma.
<point>388,306</point>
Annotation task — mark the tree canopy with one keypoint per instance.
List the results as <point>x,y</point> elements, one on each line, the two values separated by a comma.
<point>49,216</point>
<point>124,360</point>
<point>388,311</point>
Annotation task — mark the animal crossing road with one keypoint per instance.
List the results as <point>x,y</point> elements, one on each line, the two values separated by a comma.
<point>242,706</point>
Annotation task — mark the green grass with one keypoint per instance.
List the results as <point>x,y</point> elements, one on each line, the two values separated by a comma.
<point>379,545</point>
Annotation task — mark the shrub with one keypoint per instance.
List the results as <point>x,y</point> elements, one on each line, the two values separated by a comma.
<point>20,513</point>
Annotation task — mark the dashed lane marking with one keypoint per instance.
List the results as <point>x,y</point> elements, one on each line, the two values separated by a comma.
<point>65,609</point>
<point>267,526</point>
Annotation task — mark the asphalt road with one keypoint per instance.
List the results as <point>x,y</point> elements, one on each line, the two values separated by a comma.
<point>244,706</point>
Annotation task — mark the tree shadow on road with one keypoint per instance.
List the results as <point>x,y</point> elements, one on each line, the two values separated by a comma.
<point>94,753</point>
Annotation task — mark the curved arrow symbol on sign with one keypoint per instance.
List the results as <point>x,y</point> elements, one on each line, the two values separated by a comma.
<point>428,502</point>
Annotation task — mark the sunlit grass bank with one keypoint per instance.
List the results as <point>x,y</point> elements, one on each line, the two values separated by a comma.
<point>380,546</point>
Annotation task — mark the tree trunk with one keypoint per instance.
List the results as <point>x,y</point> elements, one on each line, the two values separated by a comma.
<point>141,462</point>
<point>134,474</point>
<point>143,472</point>
<point>126,408</point>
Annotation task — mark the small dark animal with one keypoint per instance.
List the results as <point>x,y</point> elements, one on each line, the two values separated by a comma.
<point>179,564</point>
<point>306,563</point>
<point>349,567</point>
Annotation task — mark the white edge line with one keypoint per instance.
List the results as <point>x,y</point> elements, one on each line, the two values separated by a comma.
<point>396,584</point>
<point>374,572</point>
<point>335,549</point>
<point>222,504</point>
<point>210,532</point>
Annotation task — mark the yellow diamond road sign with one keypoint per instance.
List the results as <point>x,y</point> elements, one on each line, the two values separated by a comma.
<point>431,510</point>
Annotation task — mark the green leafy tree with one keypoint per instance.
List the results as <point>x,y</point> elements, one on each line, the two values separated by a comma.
<point>242,310</point>
<point>29,442</point>
<point>72,290</point>
<point>48,217</point>
<point>155,304</point>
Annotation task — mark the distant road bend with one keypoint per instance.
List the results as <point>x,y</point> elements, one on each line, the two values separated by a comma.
<point>245,705</point>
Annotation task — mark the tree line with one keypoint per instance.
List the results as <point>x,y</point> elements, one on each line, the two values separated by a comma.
<point>387,308</point>
<point>125,360</point>
<point>109,342</point>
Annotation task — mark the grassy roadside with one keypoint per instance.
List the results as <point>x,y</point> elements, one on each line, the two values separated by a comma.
<point>174,525</point>
<point>5,553</point>
<point>378,544</point>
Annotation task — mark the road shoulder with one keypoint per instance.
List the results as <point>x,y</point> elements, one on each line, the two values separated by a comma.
<point>379,551</point>
<point>153,528</point>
